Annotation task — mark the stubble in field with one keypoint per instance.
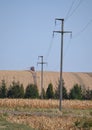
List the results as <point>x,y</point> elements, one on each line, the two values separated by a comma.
<point>45,115</point>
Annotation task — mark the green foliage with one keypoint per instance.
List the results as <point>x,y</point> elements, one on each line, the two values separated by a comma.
<point>75,92</point>
<point>22,93</point>
<point>44,93</point>
<point>65,94</point>
<point>16,90</point>
<point>3,90</point>
<point>88,94</point>
<point>64,91</point>
<point>77,123</point>
<point>8,125</point>
<point>50,92</point>
<point>85,124</point>
<point>91,113</point>
<point>31,91</point>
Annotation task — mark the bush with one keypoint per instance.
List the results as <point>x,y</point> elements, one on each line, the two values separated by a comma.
<point>64,91</point>
<point>50,92</point>
<point>75,92</point>
<point>88,94</point>
<point>31,91</point>
<point>3,90</point>
<point>44,93</point>
<point>16,90</point>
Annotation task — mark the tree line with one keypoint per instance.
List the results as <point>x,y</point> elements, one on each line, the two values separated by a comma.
<point>16,90</point>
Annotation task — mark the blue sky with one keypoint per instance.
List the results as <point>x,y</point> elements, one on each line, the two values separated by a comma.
<point>26,28</point>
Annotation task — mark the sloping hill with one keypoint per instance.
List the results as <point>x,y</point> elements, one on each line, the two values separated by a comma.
<point>26,77</point>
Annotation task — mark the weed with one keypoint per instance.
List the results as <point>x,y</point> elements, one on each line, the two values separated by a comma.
<point>84,123</point>
<point>5,114</point>
<point>91,113</point>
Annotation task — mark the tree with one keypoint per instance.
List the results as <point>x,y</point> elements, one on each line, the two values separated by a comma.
<point>3,90</point>
<point>44,93</point>
<point>88,94</point>
<point>65,95</point>
<point>31,91</point>
<point>22,93</point>
<point>50,92</point>
<point>64,91</point>
<point>76,92</point>
<point>16,90</point>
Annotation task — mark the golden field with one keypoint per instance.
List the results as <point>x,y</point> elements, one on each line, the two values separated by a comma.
<point>26,77</point>
<point>45,115</point>
<point>42,104</point>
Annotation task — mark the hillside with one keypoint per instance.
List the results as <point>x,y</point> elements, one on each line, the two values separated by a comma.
<point>26,77</point>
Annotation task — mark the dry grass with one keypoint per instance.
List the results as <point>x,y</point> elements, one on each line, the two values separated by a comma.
<point>45,122</point>
<point>51,118</point>
<point>37,103</point>
<point>44,114</point>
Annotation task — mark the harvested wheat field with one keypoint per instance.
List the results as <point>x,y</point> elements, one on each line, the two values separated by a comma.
<point>42,104</point>
<point>26,77</point>
<point>45,115</point>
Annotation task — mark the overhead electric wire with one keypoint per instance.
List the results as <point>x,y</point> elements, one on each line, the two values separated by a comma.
<point>69,10</point>
<point>67,48</point>
<point>73,11</point>
<point>50,45</point>
<point>49,49</point>
<point>83,29</point>
<point>76,35</point>
<point>69,14</point>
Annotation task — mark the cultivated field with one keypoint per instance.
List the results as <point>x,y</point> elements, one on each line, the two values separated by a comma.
<point>42,104</point>
<point>26,77</point>
<point>45,115</point>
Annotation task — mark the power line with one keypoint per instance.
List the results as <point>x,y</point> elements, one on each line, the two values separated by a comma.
<point>67,48</point>
<point>73,11</point>
<point>69,10</point>
<point>49,49</point>
<point>50,46</point>
<point>83,29</point>
<point>67,16</point>
<point>76,35</point>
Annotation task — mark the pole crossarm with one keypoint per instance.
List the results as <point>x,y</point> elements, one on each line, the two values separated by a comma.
<point>59,19</point>
<point>41,63</point>
<point>41,60</point>
<point>62,32</point>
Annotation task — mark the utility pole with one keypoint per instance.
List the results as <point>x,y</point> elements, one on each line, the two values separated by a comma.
<point>61,57</point>
<point>41,74</point>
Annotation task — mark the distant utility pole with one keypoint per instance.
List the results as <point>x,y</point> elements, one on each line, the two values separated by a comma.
<point>61,58</point>
<point>41,74</point>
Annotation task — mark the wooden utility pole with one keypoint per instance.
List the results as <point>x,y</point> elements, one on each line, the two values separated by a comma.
<point>41,74</point>
<point>61,57</point>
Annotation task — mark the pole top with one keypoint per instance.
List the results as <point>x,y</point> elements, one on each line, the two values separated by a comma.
<point>40,56</point>
<point>59,19</point>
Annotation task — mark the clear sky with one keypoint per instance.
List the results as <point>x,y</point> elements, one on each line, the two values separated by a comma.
<point>26,28</point>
